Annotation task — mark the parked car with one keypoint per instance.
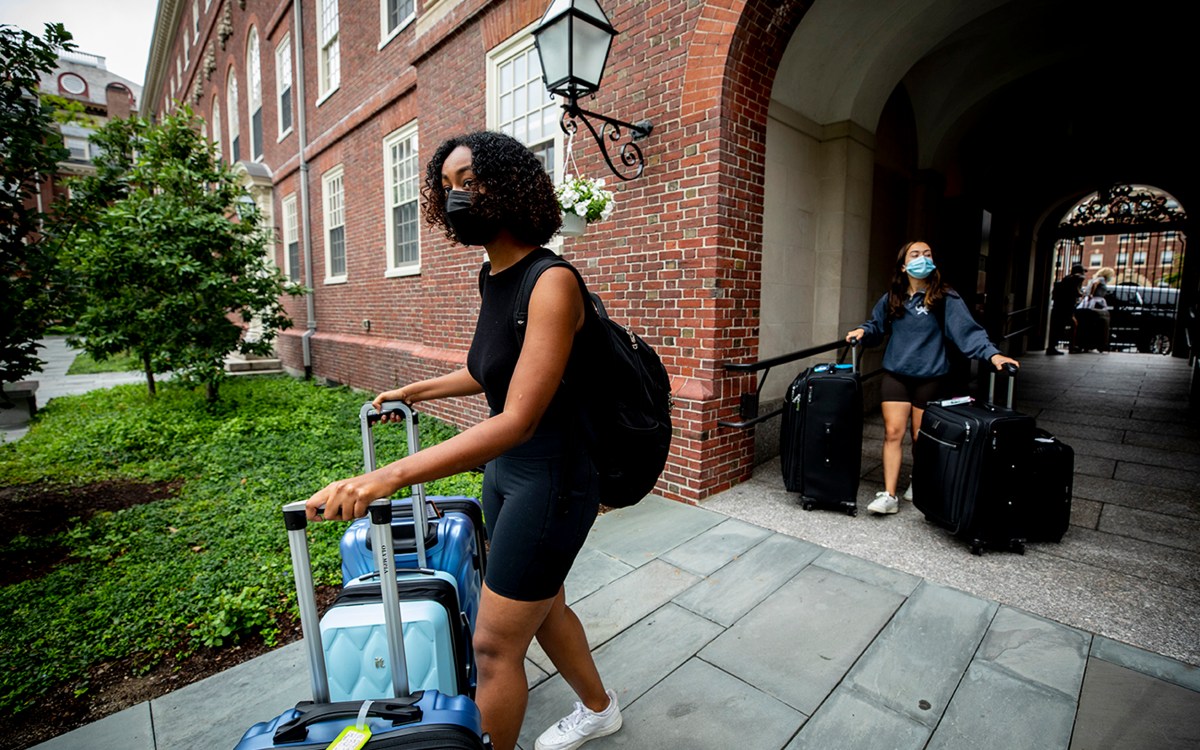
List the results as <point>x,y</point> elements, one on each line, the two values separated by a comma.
<point>1142,317</point>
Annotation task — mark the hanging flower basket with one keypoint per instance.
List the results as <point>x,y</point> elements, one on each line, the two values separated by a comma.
<point>583,201</point>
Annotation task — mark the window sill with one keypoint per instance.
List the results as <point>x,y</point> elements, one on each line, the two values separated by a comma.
<point>326,95</point>
<point>394,273</point>
<point>283,135</point>
<point>330,280</point>
<point>389,36</point>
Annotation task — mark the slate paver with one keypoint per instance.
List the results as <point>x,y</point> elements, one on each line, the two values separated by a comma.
<point>711,550</point>
<point>631,664</point>
<point>622,603</point>
<point>1121,708</point>
<point>916,662</point>
<point>643,532</point>
<point>1158,475</point>
<point>699,707</point>
<point>1169,531</point>
<point>735,589</point>
<point>234,700</point>
<point>866,571</point>
<point>849,720</point>
<point>1146,662</point>
<point>816,625</point>
<point>130,729</point>
<point>1037,649</point>
<point>994,709</point>
<point>592,571</point>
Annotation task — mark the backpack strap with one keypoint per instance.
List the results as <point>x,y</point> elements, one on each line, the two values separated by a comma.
<point>525,292</point>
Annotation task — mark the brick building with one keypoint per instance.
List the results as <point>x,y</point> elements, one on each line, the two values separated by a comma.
<point>795,147</point>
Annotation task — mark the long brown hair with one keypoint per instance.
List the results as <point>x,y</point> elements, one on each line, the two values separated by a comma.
<point>935,290</point>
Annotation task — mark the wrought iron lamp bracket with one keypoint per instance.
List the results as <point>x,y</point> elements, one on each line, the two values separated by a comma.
<point>611,133</point>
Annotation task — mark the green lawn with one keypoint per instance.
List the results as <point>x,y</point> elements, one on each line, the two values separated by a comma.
<point>85,365</point>
<point>205,568</point>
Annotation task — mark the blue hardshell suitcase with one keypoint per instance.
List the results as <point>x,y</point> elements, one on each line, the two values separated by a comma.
<point>422,720</point>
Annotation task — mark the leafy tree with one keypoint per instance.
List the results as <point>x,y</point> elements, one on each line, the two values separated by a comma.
<point>31,279</point>
<point>171,256</point>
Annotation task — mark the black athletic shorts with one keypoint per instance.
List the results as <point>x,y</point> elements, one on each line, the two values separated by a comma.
<point>916,391</point>
<point>534,530</point>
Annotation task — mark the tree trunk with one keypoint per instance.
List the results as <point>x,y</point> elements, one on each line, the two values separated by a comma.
<point>210,392</point>
<point>149,374</point>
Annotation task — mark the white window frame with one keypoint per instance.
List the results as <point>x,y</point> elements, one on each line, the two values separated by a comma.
<point>1139,258</point>
<point>394,195</point>
<point>517,45</point>
<point>1096,260</point>
<point>254,92</point>
<point>1122,258</point>
<point>283,75</point>
<point>195,21</point>
<point>291,235</point>
<point>217,127</point>
<point>1098,239</point>
<point>329,55</point>
<point>385,34</point>
<point>231,100</point>
<point>1167,257</point>
<point>333,204</point>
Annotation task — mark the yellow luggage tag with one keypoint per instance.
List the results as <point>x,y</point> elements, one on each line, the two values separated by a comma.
<point>354,737</point>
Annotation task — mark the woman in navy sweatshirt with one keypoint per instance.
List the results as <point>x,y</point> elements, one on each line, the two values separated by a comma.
<point>920,311</point>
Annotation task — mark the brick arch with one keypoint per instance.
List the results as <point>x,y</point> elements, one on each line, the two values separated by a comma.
<point>733,56</point>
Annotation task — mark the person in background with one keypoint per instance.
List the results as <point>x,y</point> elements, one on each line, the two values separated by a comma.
<point>1063,299</point>
<point>921,312</point>
<point>1093,321</point>
<point>540,488</point>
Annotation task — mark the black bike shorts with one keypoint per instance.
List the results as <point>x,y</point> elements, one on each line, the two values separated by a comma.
<point>535,530</point>
<point>916,391</point>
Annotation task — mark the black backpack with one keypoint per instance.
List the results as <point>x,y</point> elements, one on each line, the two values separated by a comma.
<point>626,421</point>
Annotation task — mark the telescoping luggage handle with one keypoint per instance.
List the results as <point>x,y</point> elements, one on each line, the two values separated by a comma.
<point>296,521</point>
<point>1011,371</point>
<point>368,416</point>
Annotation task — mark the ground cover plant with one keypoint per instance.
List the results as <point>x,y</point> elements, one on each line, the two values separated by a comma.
<point>85,364</point>
<point>143,532</point>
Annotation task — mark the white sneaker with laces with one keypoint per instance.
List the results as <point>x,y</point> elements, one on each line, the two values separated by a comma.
<point>581,725</point>
<point>884,503</point>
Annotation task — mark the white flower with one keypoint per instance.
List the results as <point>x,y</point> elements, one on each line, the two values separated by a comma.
<point>581,209</point>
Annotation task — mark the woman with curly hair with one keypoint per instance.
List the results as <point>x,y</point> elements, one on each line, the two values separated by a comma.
<point>921,311</point>
<point>540,492</point>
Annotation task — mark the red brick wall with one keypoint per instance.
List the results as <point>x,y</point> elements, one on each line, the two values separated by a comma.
<point>679,261</point>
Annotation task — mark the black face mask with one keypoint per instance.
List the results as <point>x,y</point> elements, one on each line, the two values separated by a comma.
<point>469,228</point>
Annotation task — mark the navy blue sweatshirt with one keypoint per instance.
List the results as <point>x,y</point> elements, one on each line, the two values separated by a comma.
<point>917,347</point>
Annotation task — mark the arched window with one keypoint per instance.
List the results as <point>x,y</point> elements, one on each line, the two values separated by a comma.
<point>216,127</point>
<point>231,101</point>
<point>254,95</point>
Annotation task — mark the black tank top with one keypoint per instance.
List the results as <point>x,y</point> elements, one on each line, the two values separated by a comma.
<point>495,349</point>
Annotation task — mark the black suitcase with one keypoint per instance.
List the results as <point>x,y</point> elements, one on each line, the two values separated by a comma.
<point>1052,478</point>
<point>970,465</point>
<point>821,436</point>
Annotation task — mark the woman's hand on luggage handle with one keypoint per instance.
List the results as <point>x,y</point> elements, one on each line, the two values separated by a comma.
<point>347,499</point>
<point>856,334</point>
<point>398,394</point>
<point>999,361</point>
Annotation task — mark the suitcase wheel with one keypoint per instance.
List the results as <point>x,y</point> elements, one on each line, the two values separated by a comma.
<point>852,511</point>
<point>977,547</point>
<point>1018,546</point>
<point>807,504</point>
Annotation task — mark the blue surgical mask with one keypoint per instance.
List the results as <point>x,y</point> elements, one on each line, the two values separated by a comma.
<point>920,268</point>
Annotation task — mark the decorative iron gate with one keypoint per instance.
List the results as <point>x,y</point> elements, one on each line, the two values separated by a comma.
<point>1138,232</point>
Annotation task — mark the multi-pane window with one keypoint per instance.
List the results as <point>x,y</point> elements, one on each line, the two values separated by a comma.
<point>1139,257</point>
<point>396,13</point>
<point>254,95</point>
<point>195,21</point>
<point>1168,257</point>
<point>329,58</point>
<point>231,99</point>
<point>283,84</point>
<point>1123,240</point>
<point>1096,260</point>
<point>402,172</point>
<point>1098,239</point>
<point>291,239</point>
<point>216,128</point>
<point>1122,257</point>
<point>519,104</point>
<point>335,226</point>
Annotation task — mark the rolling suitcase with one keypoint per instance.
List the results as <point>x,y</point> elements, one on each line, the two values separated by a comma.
<point>821,436</point>
<point>422,720</point>
<point>453,533</point>
<point>970,466</point>
<point>1052,479</point>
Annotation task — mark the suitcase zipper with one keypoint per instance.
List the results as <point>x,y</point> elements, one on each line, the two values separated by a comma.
<point>939,441</point>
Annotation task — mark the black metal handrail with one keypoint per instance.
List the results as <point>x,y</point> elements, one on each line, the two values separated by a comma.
<point>748,409</point>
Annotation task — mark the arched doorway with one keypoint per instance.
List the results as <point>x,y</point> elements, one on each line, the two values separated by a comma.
<point>1139,233</point>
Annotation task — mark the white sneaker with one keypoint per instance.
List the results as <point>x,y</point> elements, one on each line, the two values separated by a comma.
<point>908,492</point>
<point>581,725</point>
<point>884,503</point>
